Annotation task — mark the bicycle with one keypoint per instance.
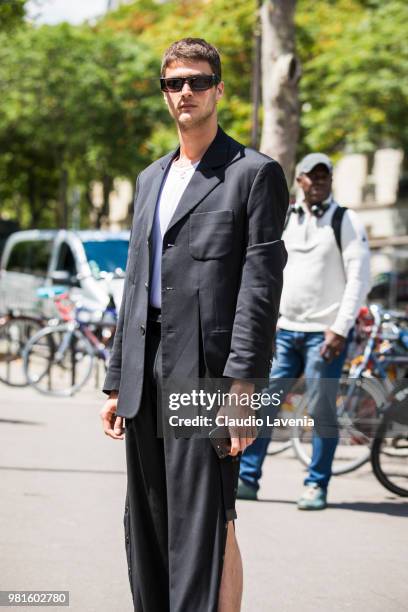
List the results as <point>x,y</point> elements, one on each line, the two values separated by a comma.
<point>15,331</point>
<point>59,360</point>
<point>389,453</point>
<point>282,439</point>
<point>295,403</point>
<point>362,395</point>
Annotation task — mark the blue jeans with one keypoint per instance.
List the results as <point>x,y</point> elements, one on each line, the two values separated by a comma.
<point>298,353</point>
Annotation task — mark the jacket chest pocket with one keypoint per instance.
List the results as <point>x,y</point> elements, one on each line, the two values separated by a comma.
<point>211,234</point>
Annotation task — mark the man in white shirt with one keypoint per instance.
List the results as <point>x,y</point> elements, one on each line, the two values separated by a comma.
<point>325,283</point>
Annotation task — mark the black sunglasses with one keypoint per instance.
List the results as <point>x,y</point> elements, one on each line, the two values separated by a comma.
<point>199,82</point>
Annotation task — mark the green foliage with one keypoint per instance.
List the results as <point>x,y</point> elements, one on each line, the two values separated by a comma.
<point>82,103</point>
<point>11,13</point>
<point>354,88</point>
<point>76,106</point>
<point>354,55</point>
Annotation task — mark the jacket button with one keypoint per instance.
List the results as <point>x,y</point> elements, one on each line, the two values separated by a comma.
<point>147,285</point>
<point>142,330</point>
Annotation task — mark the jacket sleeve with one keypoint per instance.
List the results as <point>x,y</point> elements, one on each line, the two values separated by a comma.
<point>260,289</point>
<point>112,379</point>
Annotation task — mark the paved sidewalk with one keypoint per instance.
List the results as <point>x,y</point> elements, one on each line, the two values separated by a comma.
<point>63,488</point>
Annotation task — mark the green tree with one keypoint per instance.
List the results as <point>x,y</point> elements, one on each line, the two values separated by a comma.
<point>83,103</point>
<point>11,13</point>
<point>354,88</point>
<point>354,56</point>
<point>77,105</point>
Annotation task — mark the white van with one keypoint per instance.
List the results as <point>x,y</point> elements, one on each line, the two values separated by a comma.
<point>83,260</point>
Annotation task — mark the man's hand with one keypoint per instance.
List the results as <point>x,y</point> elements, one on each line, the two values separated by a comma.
<point>333,345</point>
<point>241,437</point>
<point>112,424</point>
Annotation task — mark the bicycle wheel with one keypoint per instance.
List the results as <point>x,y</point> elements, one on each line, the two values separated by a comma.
<point>358,416</point>
<point>281,438</point>
<point>14,334</point>
<point>58,360</point>
<point>276,447</point>
<point>389,455</point>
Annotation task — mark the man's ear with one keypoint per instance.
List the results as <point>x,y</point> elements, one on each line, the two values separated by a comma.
<point>220,90</point>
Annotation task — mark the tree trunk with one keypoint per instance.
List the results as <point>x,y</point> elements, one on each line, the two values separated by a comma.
<point>103,213</point>
<point>280,76</point>
<point>256,79</point>
<point>90,207</point>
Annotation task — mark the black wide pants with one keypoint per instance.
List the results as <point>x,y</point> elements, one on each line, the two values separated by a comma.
<point>180,496</point>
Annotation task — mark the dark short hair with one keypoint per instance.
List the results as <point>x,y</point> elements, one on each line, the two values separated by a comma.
<point>192,49</point>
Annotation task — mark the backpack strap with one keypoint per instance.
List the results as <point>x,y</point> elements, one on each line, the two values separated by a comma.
<point>336,222</point>
<point>292,209</point>
<point>288,214</point>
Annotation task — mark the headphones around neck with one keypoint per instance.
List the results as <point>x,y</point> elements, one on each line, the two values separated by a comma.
<point>317,209</point>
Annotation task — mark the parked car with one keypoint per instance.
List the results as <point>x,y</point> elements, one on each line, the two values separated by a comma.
<point>91,263</point>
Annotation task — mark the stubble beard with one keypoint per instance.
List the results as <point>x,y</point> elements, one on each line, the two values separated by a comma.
<point>191,123</point>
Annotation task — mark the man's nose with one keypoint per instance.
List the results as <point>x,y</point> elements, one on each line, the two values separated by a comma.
<point>186,89</point>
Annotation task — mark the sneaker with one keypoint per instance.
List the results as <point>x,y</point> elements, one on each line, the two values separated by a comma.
<point>245,491</point>
<point>313,498</point>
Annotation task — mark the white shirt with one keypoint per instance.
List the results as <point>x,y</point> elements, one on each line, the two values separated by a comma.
<point>323,288</point>
<point>173,187</point>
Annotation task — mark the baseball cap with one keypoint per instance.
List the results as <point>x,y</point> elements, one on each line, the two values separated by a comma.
<point>311,161</point>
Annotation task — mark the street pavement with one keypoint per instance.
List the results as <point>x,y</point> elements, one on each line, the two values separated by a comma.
<point>62,500</point>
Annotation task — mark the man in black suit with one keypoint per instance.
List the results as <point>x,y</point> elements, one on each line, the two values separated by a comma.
<point>201,298</point>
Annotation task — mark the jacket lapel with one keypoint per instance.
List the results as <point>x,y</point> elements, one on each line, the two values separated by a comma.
<point>209,174</point>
